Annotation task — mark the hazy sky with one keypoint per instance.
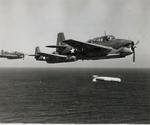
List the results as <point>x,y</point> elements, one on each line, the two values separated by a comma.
<point>25,24</point>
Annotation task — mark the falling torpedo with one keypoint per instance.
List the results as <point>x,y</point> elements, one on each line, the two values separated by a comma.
<point>104,78</point>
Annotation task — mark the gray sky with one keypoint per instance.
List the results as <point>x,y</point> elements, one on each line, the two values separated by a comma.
<point>25,24</point>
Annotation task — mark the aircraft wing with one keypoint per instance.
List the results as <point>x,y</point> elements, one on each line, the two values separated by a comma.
<point>55,46</point>
<point>86,46</point>
<point>52,55</point>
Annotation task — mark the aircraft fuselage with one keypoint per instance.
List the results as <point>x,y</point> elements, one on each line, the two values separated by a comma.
<point>13,55</point>
<point>120,48</point>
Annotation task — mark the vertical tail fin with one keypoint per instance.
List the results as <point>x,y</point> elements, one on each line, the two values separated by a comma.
<point>37,50</point>
<point>60,39</point>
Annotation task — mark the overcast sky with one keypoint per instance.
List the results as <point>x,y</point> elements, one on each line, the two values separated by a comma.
<point>25,24</point>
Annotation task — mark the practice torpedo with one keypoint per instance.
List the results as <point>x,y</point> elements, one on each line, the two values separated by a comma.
<point>104,78</point>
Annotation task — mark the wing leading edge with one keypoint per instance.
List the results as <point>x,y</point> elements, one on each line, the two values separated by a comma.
<point>86,46</point>
<point>57,46</point>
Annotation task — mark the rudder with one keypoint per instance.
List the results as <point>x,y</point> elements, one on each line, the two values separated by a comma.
<point>60,38</point>
<point>37,50</point>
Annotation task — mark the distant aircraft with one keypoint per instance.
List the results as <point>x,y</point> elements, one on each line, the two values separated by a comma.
<point>104,78</point>
<point>12,55</point>
<point>53,57</point>
<point>62,54</point>
<point>104,47</point>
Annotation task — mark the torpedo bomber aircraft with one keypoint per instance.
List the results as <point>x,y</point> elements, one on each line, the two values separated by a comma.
<point>104,47</point>
<point>12,55</point>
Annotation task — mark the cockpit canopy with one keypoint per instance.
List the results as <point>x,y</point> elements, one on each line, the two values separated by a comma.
<point>110,37</point>
<point>101,39</point>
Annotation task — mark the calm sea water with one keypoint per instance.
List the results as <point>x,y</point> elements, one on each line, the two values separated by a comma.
<point>69,96</point>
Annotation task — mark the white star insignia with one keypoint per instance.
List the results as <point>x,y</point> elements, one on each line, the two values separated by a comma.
<point>72,50</point>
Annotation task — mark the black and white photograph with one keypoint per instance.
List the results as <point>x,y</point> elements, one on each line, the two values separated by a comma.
<point>75,61</point>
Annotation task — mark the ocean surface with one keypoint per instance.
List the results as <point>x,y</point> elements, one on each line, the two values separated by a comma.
<point>59,95</point>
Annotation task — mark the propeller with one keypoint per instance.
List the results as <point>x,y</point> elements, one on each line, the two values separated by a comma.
<point>133,46</point>
<point>23,56</point>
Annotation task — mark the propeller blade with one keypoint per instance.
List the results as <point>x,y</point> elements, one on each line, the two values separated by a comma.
<point>133,56</point>
<point>133,50</point>
<point>132,46</point>
<point>23,56</point>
